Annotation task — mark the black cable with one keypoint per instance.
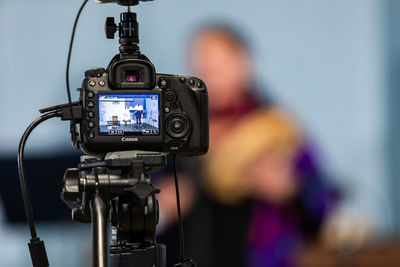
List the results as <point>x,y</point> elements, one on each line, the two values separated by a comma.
<point>36,246</point>
<point>72,126</point>
<point>71,43</point>
<point>178,205</point>
<point>23,182</point>
<point>24,185</point>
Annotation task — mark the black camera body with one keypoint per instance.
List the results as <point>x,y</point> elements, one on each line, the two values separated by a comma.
<point>130,107</point>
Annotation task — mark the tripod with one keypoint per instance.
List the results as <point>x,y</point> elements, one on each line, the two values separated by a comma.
<point>117,189</point>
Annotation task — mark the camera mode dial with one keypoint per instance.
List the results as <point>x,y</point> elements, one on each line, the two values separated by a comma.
<point>163,83</point>
<point>96,72</point>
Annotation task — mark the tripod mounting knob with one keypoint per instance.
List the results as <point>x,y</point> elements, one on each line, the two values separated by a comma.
<point>71,190</point>
<point>142,191</point>
<point>110,28</point>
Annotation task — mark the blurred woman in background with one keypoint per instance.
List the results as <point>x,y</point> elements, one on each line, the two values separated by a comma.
<point>257,195</point>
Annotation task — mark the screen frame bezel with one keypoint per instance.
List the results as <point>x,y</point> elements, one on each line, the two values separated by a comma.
<point>106,143</point>
<point>99,133</point>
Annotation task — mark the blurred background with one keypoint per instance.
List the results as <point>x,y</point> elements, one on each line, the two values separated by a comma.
<point>333,64</point>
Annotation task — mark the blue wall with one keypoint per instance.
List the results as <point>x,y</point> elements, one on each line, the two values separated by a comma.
<point>325,60</point>
<point>392,104</point>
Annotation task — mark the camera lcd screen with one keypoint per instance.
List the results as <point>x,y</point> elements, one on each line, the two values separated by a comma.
<point>129,114</point>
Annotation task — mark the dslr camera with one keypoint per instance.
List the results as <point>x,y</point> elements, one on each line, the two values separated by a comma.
<point>125,107</point>
<point>129,106</point>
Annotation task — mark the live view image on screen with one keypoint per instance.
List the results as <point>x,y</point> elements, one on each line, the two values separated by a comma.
<point>129,114</point>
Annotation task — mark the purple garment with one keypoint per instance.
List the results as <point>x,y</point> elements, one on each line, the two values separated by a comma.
<point>273,238</point>
<point>277,233</point>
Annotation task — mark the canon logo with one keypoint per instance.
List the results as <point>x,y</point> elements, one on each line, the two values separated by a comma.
<point>130,139</point>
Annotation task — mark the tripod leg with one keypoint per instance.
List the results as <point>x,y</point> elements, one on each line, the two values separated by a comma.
<point>99,213</point>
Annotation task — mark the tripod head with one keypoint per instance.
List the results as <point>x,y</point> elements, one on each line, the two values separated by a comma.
<point>128,30</point>
<point>117,190</point>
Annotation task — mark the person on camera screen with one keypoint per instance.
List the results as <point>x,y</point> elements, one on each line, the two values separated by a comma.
<point>258,194</point>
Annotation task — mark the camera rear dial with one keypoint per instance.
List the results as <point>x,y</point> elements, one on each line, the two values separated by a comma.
<point>178,126</point>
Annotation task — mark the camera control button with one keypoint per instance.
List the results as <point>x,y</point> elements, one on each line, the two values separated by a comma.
<point>90,94</point>
<point>167,110</point>
<point>91,134</point>
<point>91,115</point>
<point>182,79</point>
<point>90,104</point>
<point>200,85</point>
<point>191,82</point>
<point>170,96</point>
<point>174,105</point>
<point>102,83</point>
<point>91,124</point>
<point>92,83</point>
<point>163,83</point>
<point>177,126</point>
